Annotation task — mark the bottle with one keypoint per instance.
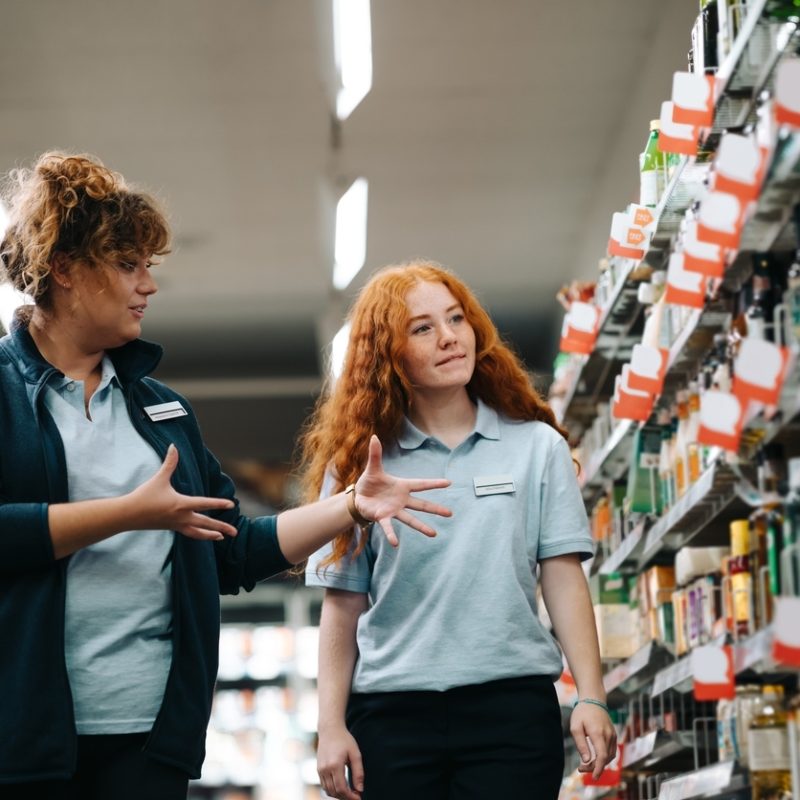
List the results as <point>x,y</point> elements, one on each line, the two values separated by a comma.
<point>748,705</point>
<point>709,25</point>
<point>673,451</point>
<point>652,169</point>
<point>792,296</point>
<point>789,558</point>
<point>741,579</point>
<point>682,444</point>
<point>664,476</point>
<point>759,314</point>
<point>768,746</point>
<point>694,451</point>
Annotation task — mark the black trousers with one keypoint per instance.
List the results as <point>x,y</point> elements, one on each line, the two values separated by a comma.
<point>481,742</point>
<point>109,767</point>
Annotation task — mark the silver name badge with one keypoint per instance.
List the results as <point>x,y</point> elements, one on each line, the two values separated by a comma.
<point>494,484</point>
<point>165,411</point>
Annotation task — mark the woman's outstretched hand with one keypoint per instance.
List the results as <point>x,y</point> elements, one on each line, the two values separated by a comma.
<point>159,506</point>
<point>380,496</point>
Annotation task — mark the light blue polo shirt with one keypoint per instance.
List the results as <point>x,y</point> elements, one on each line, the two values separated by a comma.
<point>118,623</point>
<point>461,609</point>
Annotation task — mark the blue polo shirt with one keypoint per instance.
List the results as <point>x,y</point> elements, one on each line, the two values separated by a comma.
<point>461,609</point>
<point>118,618</point>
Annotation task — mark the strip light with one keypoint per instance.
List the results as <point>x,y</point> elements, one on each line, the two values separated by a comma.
<point>352,45</point>
<point>350,245</point>
<point>339,349</point>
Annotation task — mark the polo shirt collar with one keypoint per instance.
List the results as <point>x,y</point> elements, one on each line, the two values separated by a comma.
<point>487,425</point>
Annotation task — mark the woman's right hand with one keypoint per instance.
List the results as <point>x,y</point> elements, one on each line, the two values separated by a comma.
<point>157,506</point>
<point>337,750</point>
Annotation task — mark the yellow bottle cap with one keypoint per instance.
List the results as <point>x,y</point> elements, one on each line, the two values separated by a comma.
<point>655,124</point>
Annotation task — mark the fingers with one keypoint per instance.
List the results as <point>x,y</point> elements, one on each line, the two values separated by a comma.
<point>413,522</point>
<point>422,484</point>
<point>198,520</point>
<point>193,532</point>
<point>356,771</point>
<point>585,751</point>
<point>170,462</point>
<point>374,454</point>
<point>391,536</point>
<point>209,503</point>
<point>334,782</point>
<point>417,504</point>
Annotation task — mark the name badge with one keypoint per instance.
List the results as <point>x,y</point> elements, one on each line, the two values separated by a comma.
<point>494,484</point>
<point>165,411</point>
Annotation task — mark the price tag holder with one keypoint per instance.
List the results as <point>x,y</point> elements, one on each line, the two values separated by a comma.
<point>739,166</point>
<point>759,371</point>
<point>720,220</point>
<point>648,368</point>
<point>627,240</point>
<point>712,671</point>
<point>693,99</point>
<point>674,137</point>
<point>786,639</point>
<point>704,257</point>
<point>684,288</point>
<point>787,93</point>
<point>721,420</point>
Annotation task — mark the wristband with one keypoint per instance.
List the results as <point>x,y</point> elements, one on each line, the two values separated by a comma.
<point>355,514</point>
<point>594,703</point>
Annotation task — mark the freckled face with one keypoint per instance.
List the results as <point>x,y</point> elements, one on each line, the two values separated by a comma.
<point>440,343</point>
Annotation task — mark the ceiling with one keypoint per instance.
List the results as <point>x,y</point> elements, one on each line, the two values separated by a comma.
<point>498,138</point>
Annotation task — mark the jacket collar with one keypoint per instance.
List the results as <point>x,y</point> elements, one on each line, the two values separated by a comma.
<point>131,362</point>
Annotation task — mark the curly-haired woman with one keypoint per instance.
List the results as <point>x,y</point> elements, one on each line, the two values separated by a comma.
<point>435,674</point>
<point>118,530</point>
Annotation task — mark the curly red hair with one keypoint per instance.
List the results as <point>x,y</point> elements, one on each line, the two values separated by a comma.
<point>373,393</point>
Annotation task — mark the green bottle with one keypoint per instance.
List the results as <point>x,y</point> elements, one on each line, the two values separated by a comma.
<point>652,170</point>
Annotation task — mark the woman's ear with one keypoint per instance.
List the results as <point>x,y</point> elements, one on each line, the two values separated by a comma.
<point>60,268</point>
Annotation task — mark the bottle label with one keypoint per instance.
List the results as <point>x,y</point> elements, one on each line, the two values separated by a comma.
<point>649,187</point>
<point>769,749</point>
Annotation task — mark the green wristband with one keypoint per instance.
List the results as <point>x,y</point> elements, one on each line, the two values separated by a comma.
<point>594,703</point>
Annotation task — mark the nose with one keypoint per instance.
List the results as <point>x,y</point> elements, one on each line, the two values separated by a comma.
<point>147,283</point>
<point>447,335</point>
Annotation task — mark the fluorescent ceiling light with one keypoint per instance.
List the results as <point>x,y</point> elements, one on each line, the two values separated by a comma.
<point>352,46</point>
<point>350,246</point>
<point>338,350</point>
<point>10,301</point>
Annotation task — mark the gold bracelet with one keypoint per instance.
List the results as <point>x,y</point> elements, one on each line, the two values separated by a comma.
<point>357,516</point>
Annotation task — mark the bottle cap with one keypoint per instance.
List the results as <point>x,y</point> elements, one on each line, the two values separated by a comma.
<point>655,124</point>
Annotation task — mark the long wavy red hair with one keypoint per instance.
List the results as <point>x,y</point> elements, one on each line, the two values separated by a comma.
<point>373,393</point>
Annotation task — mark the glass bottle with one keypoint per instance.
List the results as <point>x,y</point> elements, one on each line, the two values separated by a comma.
<point>741,578</point>
<point>653,169</point>
<point>768,745</point>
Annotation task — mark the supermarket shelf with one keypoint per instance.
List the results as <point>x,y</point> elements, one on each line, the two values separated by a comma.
<point>754,653</point>
<point>712,781</point>
<point>658,747</point>
<point>626,554</point>
<point>705,501</point>
<point>619,330</point>
<point>676,676</point>
<point>637,671</point>
<point>611,461</point>
<point>685,186</point>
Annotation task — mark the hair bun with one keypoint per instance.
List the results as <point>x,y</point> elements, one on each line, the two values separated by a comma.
<point>73,176</point>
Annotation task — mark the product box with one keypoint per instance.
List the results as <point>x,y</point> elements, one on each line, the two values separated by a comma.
<point>657,580</point>
<point>611,588</point>
<point>616,630</point>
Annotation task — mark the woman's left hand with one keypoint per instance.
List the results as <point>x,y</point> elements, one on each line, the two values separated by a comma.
<point>592,723</point>
<point>380,496</point>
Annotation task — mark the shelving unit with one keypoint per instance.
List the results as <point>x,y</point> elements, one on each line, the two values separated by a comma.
<point>667,763</point>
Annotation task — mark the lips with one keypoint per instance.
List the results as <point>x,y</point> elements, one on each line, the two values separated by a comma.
<point>450,359</point>
<point>138,310</point>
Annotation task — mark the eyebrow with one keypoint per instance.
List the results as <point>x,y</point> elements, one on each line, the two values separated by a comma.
<point>425,316</point>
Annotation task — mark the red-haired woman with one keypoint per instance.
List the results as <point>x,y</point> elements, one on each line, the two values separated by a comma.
<point>435,674</point>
